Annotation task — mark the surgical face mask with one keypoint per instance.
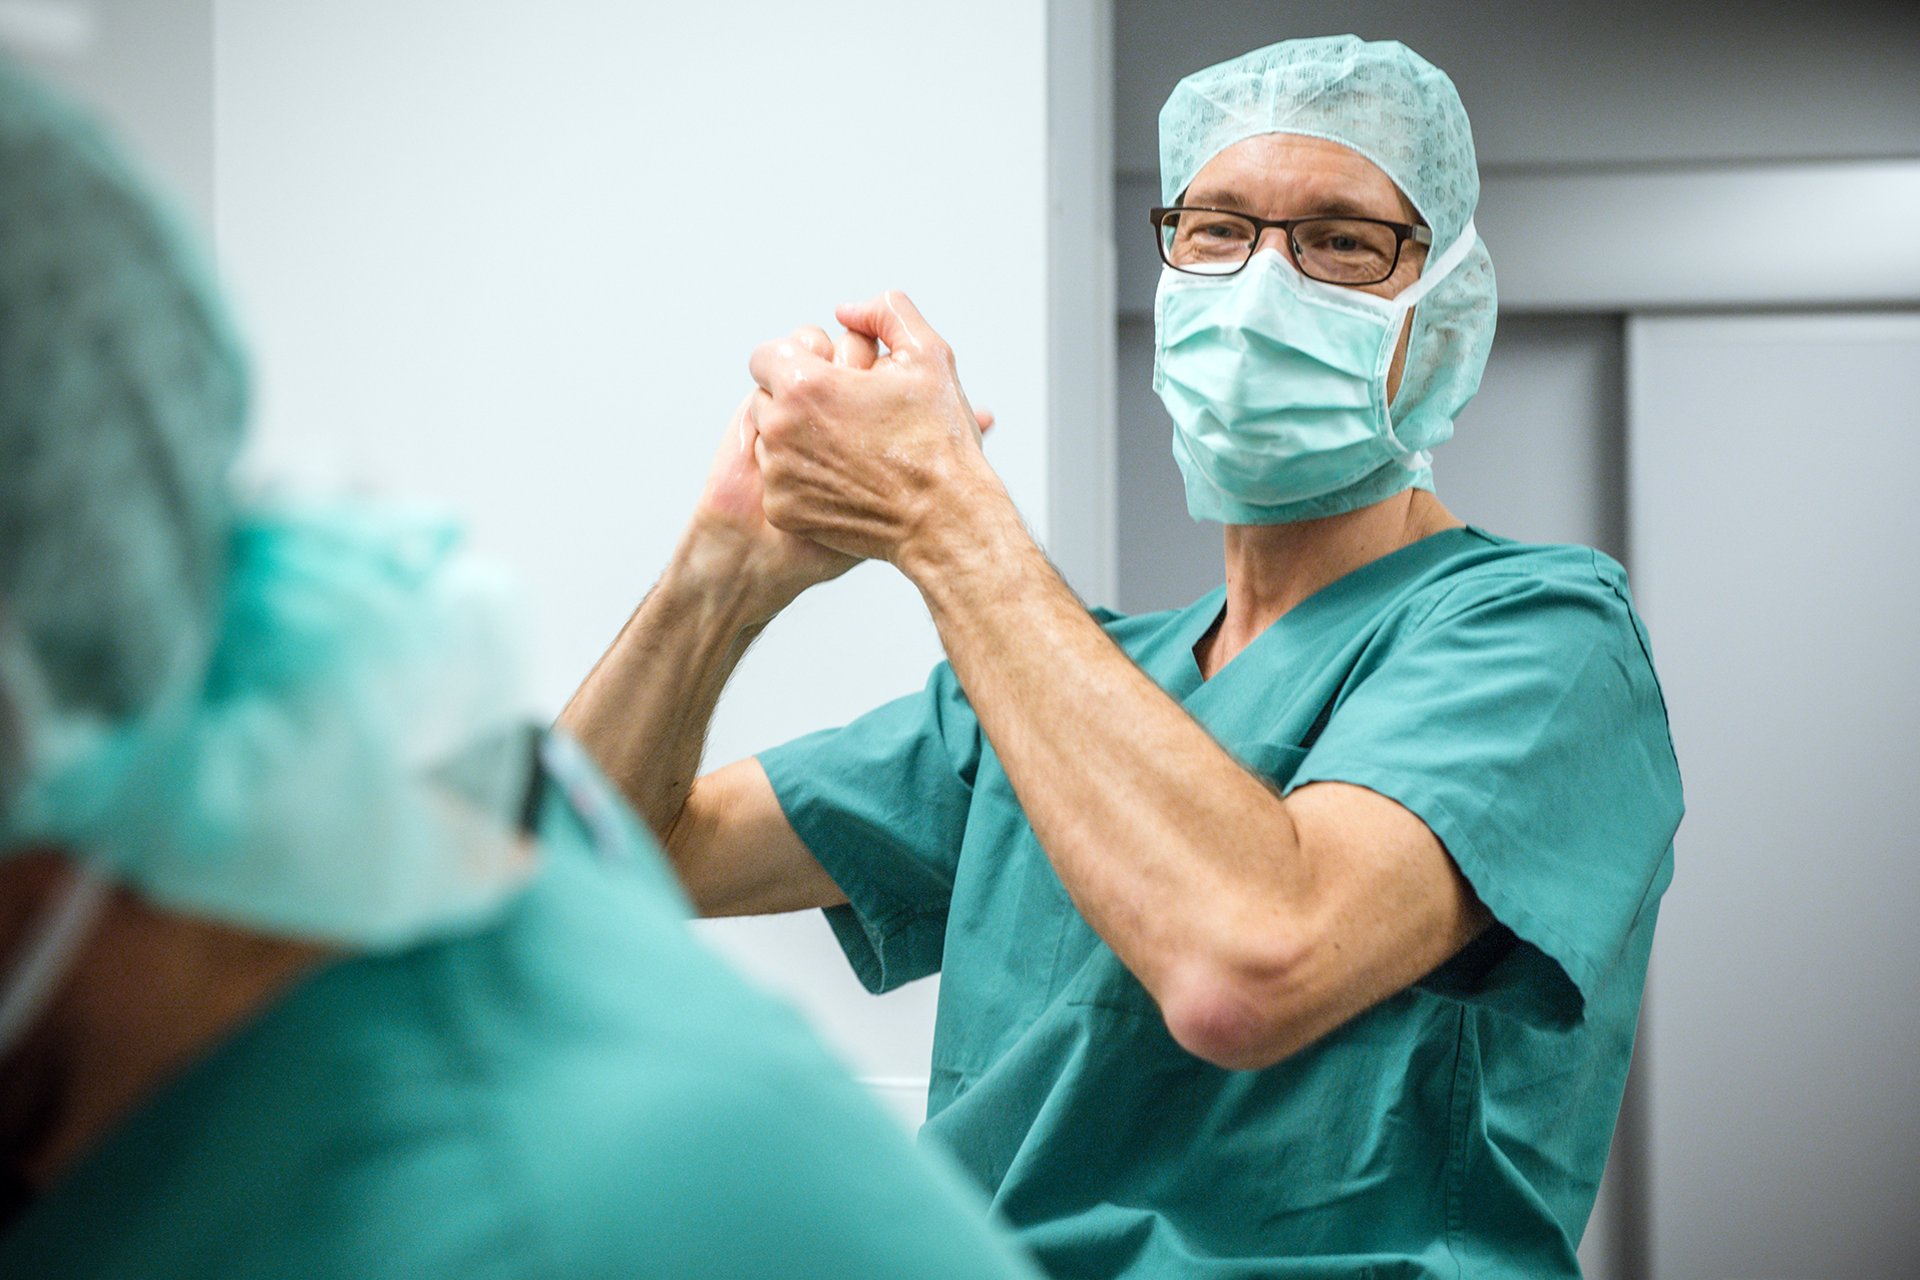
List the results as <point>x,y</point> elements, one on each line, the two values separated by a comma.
<point>1277,384</point>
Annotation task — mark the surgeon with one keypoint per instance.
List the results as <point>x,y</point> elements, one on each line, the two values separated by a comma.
<point>1300,932</point>
<point>314,961</point>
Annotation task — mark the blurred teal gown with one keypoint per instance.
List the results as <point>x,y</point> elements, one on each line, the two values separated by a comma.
<point>575,1090</point>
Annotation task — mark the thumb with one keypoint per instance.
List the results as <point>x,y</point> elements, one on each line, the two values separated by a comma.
<point>746,430</point>
<point>893,319</point>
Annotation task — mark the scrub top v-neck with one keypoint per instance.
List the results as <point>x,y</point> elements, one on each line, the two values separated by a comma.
<point>1504,694</point>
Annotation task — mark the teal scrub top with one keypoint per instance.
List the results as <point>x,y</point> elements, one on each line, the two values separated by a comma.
<point>1503,693</point>
<point>579,1090</point>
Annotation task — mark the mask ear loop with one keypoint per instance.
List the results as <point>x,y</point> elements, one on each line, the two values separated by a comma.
<point>49,951</point>
<point>1438,269</point>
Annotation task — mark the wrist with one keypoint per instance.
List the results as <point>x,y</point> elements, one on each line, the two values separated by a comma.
<point>978,531</point>
<point>717,573</point>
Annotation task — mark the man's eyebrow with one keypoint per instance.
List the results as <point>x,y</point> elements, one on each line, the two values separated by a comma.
<point>1324,206</point>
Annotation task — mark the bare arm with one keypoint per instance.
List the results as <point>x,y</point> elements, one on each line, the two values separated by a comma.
<point>644,710</point>
<point>643,714</point>
<point>1257,923</point>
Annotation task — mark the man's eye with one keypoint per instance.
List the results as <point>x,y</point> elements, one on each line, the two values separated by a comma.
<point>1336,242</point>
<point>1350,240</point>
<point>1221,231</point>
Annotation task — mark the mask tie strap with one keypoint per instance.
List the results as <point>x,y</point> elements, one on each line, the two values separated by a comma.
<point>1407,299</point>
<point>1439,269</point>
<point>48,951</point>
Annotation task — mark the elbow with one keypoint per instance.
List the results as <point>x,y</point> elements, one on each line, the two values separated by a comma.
<point>681,840</point>
<point>1241,1011</point>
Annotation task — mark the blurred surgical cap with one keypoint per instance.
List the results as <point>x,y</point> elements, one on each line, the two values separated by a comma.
<point>1384,101</point>
<point>296,716</point>
<point>122,394</point>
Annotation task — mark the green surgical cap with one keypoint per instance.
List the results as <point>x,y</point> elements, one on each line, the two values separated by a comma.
<point>1386,102</point>
<point>301,718</point>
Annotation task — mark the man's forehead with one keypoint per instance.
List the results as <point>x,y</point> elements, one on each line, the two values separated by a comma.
<point>1304,174</point>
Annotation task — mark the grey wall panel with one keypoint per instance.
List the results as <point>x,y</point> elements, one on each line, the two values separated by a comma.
<point>1761,235</point>
<point>1773,529</point>
<point>1537,454</point>
<point>1628,82</point>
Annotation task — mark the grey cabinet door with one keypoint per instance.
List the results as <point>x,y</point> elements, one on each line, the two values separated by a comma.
<point>1776,544</point>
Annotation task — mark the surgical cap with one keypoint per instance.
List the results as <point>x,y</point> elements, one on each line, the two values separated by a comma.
<point>122,393</point>
<point>289,716</point>
<point>1386,102</point>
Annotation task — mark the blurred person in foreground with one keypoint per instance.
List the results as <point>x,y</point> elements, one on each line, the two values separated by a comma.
<point>1300,932</point>
<point>315,961</point>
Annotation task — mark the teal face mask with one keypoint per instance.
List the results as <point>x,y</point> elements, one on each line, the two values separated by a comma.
<point>1277,385</point>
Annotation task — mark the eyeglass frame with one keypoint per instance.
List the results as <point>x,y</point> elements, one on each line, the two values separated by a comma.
<point>1403,232</point>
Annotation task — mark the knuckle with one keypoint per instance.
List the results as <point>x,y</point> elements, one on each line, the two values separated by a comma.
<point>806,387</point>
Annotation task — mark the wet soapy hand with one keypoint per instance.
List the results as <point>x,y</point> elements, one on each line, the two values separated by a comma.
<point>867,453</point>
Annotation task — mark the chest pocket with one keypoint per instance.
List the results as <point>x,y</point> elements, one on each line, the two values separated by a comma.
<point>1087,972</point>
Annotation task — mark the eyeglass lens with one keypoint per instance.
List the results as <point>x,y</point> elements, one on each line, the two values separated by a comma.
<point>1336,250</point>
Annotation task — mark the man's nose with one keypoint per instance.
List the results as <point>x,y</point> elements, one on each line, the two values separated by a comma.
<point>1276,239</point>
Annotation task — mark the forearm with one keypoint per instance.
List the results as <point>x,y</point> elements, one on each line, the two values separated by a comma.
<point>1158,834</point>
<point>644,709</point>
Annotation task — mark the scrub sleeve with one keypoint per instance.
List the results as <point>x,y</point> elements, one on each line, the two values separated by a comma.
<point>1520,721</point>
<point>883,805</point>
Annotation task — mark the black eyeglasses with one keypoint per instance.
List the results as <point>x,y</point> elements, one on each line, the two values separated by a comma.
<point>1219,242</point>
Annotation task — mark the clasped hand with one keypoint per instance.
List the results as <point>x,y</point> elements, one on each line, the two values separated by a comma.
<point>860,451</point>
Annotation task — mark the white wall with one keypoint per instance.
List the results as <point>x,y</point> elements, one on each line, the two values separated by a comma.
<point>514,255</point>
